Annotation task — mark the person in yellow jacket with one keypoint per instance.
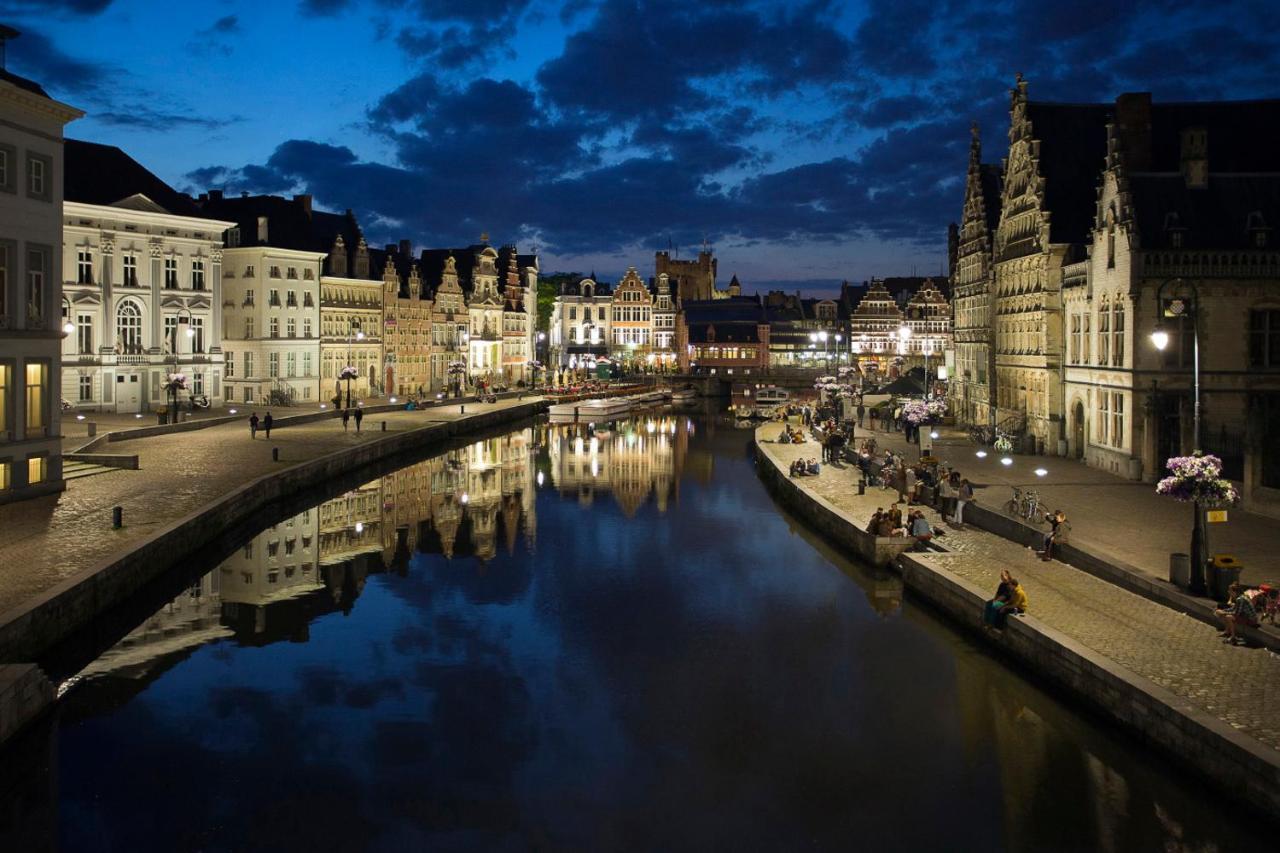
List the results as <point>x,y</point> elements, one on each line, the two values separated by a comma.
<point>1010,598</point>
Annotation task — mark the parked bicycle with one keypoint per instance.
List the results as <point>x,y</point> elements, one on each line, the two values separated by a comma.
<point>1023,503</point>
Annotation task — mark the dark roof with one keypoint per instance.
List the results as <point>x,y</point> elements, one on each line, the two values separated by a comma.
<point>574,288</point>
<point>326,227</point>
<point>1241,134</point>
<point>740,309</point>
<point>103,174</point>
<point>23,83</point>
<point>727,332</point>
<point>289,220</point>
<point>1214,217</point>
<point>1073,149</point>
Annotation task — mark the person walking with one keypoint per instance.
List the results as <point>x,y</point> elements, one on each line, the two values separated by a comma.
<point>346,419</point>
<point>909,485</point>
<point>266,424</point>
<point>253,426</point>
<point>359,418</point>
<point>964,495</point>
<point>862,410</point>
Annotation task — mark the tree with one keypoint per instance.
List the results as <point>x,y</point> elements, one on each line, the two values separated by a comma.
<point>548,289</point>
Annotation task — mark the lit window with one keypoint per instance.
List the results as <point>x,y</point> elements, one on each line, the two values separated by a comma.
<point>37,396</point>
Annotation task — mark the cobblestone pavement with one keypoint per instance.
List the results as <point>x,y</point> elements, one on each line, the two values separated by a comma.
<point>1236,684</point>
<point>47,540</point>
<point>1125,519</point>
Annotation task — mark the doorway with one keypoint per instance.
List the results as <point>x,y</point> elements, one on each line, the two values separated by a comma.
<point>128,393</point>
<point>1077,432</point>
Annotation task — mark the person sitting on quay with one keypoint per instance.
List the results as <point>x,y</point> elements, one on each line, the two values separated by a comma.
<point>1239,611</point>
<point>919,529</point>
<point>1055,520</point>
<point>873,526</point>
<point>895,519</point>
<point>813,467</point>
<point>884,527</point>
<point>1010,598</point>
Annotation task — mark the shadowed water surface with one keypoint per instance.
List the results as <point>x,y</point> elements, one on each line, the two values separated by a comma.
<point>583,638</point>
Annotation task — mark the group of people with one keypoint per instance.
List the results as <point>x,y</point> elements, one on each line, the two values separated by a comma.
<point>805,468</point>
<point>1010,598</point>
<point>255,424</point>
<point>892,522</point>
<point>790,435</point>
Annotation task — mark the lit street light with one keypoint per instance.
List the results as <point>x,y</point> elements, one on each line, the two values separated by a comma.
<point>1178,308</point>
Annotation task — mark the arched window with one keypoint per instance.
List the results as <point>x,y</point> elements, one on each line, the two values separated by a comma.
<point>129,327</point>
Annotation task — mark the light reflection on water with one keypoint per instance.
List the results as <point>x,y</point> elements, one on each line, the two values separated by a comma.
<point>576,637</point>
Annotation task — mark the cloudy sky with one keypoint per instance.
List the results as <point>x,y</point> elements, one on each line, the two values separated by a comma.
<point>808,141</point>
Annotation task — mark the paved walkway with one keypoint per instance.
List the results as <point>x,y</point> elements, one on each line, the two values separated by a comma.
<point>47,540</point>
<point>1125,519</point>
<point>1236,684</point>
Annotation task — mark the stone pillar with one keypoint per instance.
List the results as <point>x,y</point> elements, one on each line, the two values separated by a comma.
<point>157,280</point>
<point>215,320</point>
<point>108,315</point>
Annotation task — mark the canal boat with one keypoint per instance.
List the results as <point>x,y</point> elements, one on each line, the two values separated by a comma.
<point>592,410</point>
<point>684,395</point>
<point>772,396</point>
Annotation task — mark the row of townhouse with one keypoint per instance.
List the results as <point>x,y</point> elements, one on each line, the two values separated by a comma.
<point>632,322</point>
<point>265,300</point>
<point>1101,224</point>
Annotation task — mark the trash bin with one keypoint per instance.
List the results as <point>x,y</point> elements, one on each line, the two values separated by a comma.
<point>1226,571</point>
<point>1180,570</point>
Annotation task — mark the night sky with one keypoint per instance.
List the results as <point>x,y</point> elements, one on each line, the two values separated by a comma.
<point>808,142</point>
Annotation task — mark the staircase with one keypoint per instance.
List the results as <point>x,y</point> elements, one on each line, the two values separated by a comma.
<point>76,470</point>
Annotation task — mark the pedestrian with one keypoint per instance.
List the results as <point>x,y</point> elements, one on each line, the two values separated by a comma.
<point>964,496</point>
<point>346,419</point>
<point>253,426</point>
<point>266,424</point>
<point>862,410</point>
<point>359,418</point>
<point>909,485</point>
<point>900,481</point>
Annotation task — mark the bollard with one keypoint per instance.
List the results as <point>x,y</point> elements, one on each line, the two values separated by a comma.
<point>462,410</point>
<point>275,454</point>
<point>862,486</point>
<point>93,429</point>
<point>117,517</point>
<point>384,426</point>
<point>575,413</point>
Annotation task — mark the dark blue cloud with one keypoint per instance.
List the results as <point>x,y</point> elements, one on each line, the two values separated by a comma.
<point>660,118</point>
<point>35,56</point>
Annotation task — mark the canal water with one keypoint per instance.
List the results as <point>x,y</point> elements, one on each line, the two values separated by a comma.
<point>577,637</point>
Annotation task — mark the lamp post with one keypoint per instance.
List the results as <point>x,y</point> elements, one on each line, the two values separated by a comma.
<point>839,353</point>
<point>1179,308</point>
<point>357,335</point>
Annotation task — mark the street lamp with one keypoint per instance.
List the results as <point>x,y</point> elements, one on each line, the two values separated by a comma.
<point>839,338</point>
<point>1179,308</point>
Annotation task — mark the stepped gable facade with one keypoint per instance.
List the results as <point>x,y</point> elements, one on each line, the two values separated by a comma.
<point>1046,209</point>
<point>972,298</point>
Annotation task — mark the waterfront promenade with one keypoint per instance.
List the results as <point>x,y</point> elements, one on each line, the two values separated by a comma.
<point>45,541</point>
<point>1239,686</point>
<point>1123,519</point>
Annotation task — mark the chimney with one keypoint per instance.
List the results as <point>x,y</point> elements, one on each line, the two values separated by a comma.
<point>305,201</point>
<point>262,229</point>
<point>406,247</point>
<point>1195,157</point>
<point>1133,130</point>
<point>215,195</point>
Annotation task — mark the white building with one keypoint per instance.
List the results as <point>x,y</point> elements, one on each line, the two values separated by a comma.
<point>31,181</point>
<point>580,324</point>
<point>143,286</point>
<point>270,299</point>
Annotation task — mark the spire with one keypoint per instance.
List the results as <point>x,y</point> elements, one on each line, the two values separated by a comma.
<point>975,147</point>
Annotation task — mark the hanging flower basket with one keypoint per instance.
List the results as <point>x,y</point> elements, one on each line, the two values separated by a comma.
<point>1198,478</point>
<point>937,409</point>
<point>176,382</point>
<point>1003,443</point>
<point>916,412</point>
<point>348,372</point>
<point>457,367</point>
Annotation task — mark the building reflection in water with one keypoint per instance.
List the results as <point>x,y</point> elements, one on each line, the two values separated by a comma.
<point>465,503</point>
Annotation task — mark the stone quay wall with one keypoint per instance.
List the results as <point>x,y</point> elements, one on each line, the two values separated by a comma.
<point>1208,747</point>
<point>876,550</point>
<point>60,612</point>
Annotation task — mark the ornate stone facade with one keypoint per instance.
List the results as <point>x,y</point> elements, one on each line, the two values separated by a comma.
<point>970,387</point>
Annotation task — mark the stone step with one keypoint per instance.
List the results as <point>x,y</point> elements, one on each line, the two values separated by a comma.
<point>76,470</point>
